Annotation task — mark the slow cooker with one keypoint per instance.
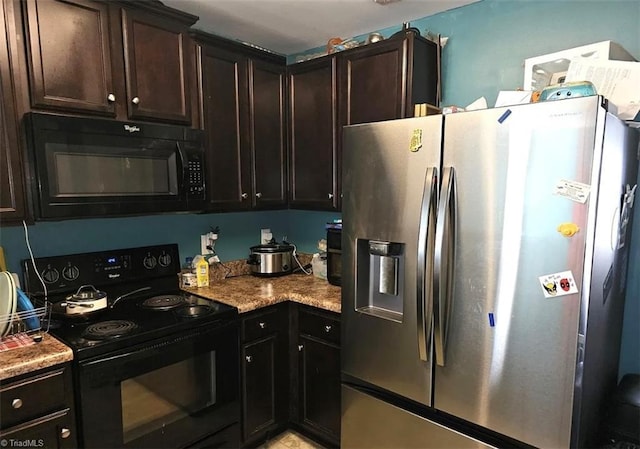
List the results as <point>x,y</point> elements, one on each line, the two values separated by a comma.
<point>271,259</point>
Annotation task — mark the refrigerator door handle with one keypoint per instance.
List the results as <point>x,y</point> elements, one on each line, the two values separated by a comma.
<point>443,263</point>
<point>426,244</point>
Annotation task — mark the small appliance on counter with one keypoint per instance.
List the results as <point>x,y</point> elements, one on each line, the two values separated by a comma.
<point>271,259</point>
<point>334,253</point>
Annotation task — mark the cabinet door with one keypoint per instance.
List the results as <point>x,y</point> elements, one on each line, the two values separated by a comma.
<point>373,82</point>
<point>268,147</point>
<point>12,195</point>
<point>319,383</point>
<point>258,386</point>
<point>69,57</point>
<point>225,121</point>
<point>312,118</point>
<point>157,64</point>
<point>54,431</point>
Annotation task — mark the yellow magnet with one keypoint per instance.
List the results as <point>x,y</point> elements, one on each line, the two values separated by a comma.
<point>416,140</point>
<point>568,229</point>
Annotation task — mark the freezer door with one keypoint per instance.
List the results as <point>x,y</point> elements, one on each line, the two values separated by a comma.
<point>369,422</point>
<point>390,185</point>
<point>526,185</point>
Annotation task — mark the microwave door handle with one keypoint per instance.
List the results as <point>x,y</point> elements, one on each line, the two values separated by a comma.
<point>426,234</point>
<point>182,163</point>
<point>444,260</point>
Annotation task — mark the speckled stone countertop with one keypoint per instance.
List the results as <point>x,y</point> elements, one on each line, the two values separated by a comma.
<point>248,293</point>
<point>30,358</point>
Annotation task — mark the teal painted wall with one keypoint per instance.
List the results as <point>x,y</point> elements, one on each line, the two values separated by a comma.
<point>488,43</point>
<point>238,232</point>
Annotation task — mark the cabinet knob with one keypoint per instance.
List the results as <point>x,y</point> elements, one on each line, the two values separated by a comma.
<point>111,98</point>
<point>258,195</point>
<point>16,403</point>
<point>300,348</point>
<point>65,433</point>
<point>244,196</point>
<point>330,196</point>
<point>248,358</point>
<point>327,328</point>
<point>262,325</point>
<point>135,100</point>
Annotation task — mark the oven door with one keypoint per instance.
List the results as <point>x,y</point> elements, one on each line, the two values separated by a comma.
<point>166,394</point>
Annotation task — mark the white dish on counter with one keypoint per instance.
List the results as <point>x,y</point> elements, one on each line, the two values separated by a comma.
<point>7,302</point>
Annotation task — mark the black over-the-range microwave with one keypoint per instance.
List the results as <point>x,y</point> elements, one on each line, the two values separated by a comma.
<point>89,167</point>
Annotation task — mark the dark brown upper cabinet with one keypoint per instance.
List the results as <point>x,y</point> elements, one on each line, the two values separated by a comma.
<point>243,115</point>
<point>13,207</point>
<point>157,67</point>
<point>268,133</point>
<point>380,81</point>
<point>128,60</point>
<point>383,81</point>
<point>313,134</point>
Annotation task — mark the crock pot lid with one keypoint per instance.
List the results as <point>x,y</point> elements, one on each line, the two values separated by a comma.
<point>272,248</point>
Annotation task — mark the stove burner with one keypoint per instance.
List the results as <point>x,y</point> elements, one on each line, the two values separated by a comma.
<point>109,329</point>
<point>163,302</point>
<point>193,311</point>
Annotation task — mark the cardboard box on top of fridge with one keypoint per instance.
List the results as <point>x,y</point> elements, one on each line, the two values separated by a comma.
<point>545,70</point>
<point>617,81</point>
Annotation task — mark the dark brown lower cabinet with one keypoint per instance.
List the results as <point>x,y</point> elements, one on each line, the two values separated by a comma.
<point>318,349</point>
<point>319,394</point>
<point>265,373</point>
<point>291,373</point>
<point>37,410</point>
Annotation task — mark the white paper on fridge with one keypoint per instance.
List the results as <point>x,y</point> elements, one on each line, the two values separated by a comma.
<point>618,81</point>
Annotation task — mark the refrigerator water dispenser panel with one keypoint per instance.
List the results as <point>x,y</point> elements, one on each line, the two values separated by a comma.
<point>380,270</point>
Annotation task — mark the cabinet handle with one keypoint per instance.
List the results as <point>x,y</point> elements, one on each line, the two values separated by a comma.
<point>248,358</point>
<point>327,328</point>
<point>135,100</point>
<point>111,98</point>
<point>65,433</point>
<point>244,196</point>
<point>258,195</point>
<point>16,403</point>
<point>330,196</point>
<point>300,348</point>
<point>262,325</point>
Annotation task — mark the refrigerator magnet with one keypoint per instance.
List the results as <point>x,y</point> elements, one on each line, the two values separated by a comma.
<point>558,284</point>
<point>416,140</point>
<point>573,190</point>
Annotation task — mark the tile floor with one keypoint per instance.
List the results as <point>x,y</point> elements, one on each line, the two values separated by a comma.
<point>290,439</point>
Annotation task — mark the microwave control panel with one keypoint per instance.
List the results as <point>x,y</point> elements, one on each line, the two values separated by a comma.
<point>195,179</point>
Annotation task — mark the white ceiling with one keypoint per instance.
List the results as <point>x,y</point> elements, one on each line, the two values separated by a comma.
<point>292,26</point>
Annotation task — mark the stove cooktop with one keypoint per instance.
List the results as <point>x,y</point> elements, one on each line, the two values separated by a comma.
<point>145,302</point>
<point>136,321</point>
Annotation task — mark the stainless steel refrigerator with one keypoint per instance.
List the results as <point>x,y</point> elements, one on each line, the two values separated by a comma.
<point>484,265</point>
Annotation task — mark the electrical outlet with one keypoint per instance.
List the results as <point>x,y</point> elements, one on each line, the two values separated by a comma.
<point>208,239</point>
<point>265,236</point>
<point>204,242</point>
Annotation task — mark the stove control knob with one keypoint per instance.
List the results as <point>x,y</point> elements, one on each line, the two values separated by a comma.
<point>150,262</point>
<point>70,273</point>
<point>50,275</point>
<point>164,260</point>
<point>65,433</point>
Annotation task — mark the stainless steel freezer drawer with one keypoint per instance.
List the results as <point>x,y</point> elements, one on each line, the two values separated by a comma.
<point>368,422</point>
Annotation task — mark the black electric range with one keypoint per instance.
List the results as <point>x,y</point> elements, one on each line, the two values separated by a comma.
<point>143,296</point>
